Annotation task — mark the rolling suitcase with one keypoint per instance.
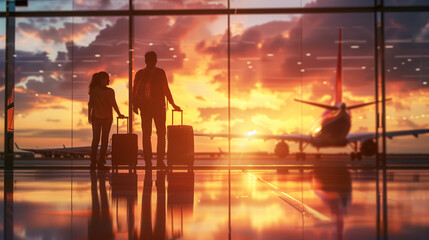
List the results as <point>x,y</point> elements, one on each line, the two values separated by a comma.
<point>180,143</point>
<point>124,148</point>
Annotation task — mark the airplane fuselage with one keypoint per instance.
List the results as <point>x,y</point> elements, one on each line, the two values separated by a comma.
<point>331,129</point>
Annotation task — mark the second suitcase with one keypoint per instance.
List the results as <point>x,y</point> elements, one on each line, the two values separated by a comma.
<point>124,149</point>
<point>180,144</point>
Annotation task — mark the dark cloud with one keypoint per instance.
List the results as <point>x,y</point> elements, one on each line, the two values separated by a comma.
<point>57,34</point>
<point>100,4</point>
<point>179,4</point>
<point>83,135</point>
<point>317,34</point>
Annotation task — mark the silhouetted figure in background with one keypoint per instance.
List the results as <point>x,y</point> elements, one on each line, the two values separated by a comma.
<point>101,102</point>
<point>150,90</point>
<point>100,222</point>
<point>159,231</point>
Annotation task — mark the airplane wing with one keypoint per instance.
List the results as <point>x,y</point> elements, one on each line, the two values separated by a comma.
<point>284,137</point>
<point>353,137</point>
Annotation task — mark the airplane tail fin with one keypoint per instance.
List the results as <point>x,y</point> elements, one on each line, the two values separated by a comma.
<point>317,104</point>
<point>220,150</point>
<point>339,78</point>
<point>365,104</point>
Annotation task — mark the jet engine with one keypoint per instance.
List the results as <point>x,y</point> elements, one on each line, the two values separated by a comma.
<point>281,150</point>
<point>368,147</point>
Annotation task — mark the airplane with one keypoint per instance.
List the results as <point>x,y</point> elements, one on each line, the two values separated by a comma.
<point>74,152</point>
<point>81,152</point>
<point>331,129</point>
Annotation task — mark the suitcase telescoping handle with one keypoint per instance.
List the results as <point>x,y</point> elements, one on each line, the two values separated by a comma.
<point>172,116</point>
<point>117,123</point>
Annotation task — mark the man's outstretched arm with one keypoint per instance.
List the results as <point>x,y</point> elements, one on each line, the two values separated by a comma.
<point>167,91</point>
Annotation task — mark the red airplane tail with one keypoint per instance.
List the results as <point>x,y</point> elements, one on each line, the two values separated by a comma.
<point>339,80</point>
<point>338,97</point>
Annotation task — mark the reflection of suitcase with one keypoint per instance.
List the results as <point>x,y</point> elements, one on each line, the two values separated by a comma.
<point>180,200</point>
<point>124,185</point>
<point>180,188</point>
<point>180,145</point>
<point>124,189</point>
<point>124,148</point>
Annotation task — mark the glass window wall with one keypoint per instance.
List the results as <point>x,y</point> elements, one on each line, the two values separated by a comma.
<point>2,79</point>
<point>407,79</point>
<point>71,5</point>
<point>300,3</point>
<point>185,4</point>
<point>43,96</point>
<point>408,3</point>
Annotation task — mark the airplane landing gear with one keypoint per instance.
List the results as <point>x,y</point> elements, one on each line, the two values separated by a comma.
<point>318,155</point>
<point>300,156</point>
<point>355,155</point>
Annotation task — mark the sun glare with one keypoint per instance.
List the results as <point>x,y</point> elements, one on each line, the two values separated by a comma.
<point>251,133</point>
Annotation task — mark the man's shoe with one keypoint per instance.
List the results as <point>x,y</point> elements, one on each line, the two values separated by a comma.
<point>148,164</point>
<point>103,168</point>
<point>92,167</point>
<point>160,164</point>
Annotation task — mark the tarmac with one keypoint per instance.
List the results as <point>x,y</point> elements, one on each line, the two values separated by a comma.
<point>246,161</point>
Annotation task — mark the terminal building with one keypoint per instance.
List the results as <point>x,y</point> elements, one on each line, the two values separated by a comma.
<point>310,119</point>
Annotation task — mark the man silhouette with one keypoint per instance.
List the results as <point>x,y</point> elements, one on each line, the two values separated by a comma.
<point>149,93</point>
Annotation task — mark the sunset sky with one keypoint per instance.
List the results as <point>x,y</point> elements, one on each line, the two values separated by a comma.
<point>274,59</point>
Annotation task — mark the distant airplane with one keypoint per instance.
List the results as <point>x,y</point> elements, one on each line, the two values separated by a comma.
<point>330,130</point>
<point>74,152</point>
<point>81,152</point>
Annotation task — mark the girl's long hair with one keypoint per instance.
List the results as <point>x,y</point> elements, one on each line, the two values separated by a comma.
<point>95,81</point>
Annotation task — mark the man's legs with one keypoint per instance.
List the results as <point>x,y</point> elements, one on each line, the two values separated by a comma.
<point>96,130</point>
<point>159,118</point>
<point>146,118</point>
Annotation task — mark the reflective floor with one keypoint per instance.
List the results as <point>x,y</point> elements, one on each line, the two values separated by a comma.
<point>318,203</point>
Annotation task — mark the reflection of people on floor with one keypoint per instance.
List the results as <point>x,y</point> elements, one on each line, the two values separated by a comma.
<point>334,186</point>
<point>100,222</point>
<point>159,231</point>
